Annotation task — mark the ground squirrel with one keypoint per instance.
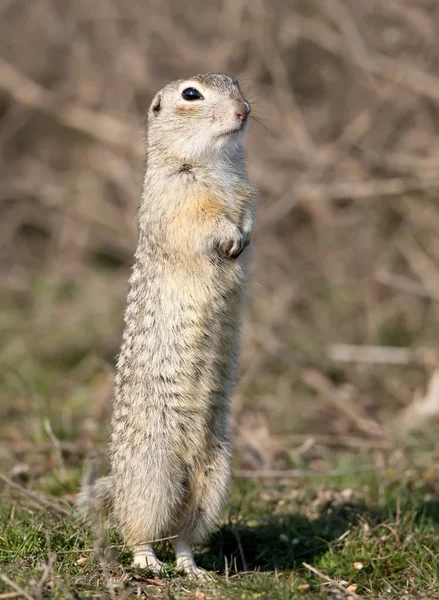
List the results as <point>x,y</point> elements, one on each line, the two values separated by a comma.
<point>169,451</point>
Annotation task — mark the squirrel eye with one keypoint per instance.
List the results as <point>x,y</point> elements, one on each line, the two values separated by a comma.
<point>191,94</point>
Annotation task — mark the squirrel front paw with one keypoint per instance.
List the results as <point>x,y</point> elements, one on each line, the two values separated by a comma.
<point>232,247</point>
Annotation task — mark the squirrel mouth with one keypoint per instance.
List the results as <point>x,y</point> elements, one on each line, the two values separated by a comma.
<point>232,131</point>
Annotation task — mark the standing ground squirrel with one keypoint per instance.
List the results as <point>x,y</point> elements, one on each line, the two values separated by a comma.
<point>170,450</point>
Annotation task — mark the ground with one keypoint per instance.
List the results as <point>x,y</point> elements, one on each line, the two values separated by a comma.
<point>335,523</point>
<point>356,529</point>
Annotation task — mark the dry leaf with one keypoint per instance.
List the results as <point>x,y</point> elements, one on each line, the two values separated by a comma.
<point>303,587</point>
<point>81,560</point>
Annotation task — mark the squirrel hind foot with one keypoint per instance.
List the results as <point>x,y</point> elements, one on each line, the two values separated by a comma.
<point>186,562</point>
<point>145,558</point>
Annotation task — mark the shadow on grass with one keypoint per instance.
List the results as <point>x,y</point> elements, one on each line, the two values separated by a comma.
<point>428,510</point>
<point>283,542</point>
<point>279,542</point>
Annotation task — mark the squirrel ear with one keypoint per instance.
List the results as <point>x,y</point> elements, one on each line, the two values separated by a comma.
<point>156,104</point>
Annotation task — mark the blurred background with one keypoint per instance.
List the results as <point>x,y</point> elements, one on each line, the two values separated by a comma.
<point>340,341</point>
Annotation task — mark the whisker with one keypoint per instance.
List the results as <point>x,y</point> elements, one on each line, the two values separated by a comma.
<point>258,121</point>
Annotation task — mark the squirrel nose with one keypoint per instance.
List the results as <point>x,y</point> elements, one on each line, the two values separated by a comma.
<point>243,111</point>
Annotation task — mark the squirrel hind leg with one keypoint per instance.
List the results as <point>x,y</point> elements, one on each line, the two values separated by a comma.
<point>185,559</point>
<point>210,497</point>
<point>145,558</point>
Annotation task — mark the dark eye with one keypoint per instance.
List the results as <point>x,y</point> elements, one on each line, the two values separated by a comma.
<point>191,94</point>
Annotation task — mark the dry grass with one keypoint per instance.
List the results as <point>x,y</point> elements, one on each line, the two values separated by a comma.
<point>344,150</point>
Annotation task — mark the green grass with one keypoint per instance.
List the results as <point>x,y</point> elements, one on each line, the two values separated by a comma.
<point>376,531</point>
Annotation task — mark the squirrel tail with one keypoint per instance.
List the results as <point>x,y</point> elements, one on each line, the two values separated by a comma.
<point>95,500</point>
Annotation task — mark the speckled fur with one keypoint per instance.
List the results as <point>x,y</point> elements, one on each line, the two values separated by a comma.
<point>170,450</point>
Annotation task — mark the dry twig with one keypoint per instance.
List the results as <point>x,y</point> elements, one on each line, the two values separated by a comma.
<point>342,401</point>
<point>372,354</point>
<point>103,128</point>
<point>423,408</point>
<point>288,473</point>
<point>332,582</point>
<point>16,587</point>
<point>38,499</point>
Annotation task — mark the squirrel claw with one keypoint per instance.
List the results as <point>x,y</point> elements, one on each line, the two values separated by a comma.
<point>234,247</point>
<point>194,572</point>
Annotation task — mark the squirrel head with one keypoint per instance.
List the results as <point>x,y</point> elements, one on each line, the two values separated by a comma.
<point>198,118</point>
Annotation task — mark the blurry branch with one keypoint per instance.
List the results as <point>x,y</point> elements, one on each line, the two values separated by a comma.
<point>332,439</point>
<point>355,190</point>
<point>102,128</point>
<point>358,190</point>
<point>341,399</point>
<point>48,572</point>
<point>38,499</point>
<point>372,354</point>
<point>280,473</point>
<point>78,449</point>
<point>408,76</point>
<point>58,450</point>
<point>420,262</point>
<point>285,92</point>
<point>20,592</point>
<point>342,17</point>
<point>405,284</point>
<point>423,408</point>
